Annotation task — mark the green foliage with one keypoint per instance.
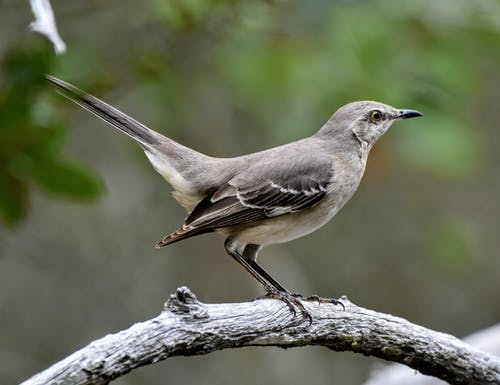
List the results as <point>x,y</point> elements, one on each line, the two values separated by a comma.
<point>189,14</point>
<point>31,138</point>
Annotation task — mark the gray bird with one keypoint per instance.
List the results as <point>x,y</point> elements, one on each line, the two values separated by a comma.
<point>267,197</point>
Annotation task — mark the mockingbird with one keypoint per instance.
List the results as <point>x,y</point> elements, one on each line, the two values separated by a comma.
<point>267,197</point>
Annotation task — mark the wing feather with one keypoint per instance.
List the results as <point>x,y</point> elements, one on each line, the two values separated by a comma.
<point>258,193</point>
<point>242,200</point>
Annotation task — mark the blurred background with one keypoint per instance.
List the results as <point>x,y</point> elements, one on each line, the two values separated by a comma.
<point>81,208</point>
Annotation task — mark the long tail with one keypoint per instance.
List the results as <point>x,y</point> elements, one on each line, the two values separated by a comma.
<point>109,114</point>
<point>169,158</point>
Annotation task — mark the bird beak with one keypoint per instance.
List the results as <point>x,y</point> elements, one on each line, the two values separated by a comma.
<point>406,114</point>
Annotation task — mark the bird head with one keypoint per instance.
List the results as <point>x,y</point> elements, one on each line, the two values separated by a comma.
<point>370,120</point>
<point>366,121</point>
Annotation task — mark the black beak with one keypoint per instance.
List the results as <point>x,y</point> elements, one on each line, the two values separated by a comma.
<point>406,114</point>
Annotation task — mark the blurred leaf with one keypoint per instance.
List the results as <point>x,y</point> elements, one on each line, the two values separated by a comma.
<point>62,177</point>
<point>13,199</point>
<point>31,137</point>
<point>187,14</point>
<point>23,66</point>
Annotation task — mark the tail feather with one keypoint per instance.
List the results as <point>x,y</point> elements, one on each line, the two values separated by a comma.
<point>109,114</point>
<point>169,158</point>
<point>182,233</point>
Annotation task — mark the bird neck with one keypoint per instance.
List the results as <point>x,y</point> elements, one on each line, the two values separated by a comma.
<point>340,138</point>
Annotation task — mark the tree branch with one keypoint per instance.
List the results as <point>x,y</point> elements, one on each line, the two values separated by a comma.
<point>488,340</point>
<point>187,327</point>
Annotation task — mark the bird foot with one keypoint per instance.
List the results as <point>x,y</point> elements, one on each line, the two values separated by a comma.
<point>319,299</point>
<point>292,301</point>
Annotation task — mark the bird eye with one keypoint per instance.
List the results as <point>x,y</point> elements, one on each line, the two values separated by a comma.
<point>376,116</point>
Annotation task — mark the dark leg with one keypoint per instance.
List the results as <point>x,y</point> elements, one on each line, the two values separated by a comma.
<point>248,267</point>
<point>273,288</point>
<point>249,254</point>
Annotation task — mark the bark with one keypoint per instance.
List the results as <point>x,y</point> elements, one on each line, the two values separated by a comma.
<point>488,340</point>
<point>187,327</point>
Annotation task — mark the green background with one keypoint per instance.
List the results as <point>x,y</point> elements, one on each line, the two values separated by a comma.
<point>80,207</point>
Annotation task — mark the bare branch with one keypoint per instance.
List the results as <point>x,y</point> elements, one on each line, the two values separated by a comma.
<point>187,327</point>
<point>45,24</point>
<point>488,340</point>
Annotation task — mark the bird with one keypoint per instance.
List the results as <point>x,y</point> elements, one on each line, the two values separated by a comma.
<point>263,198</point>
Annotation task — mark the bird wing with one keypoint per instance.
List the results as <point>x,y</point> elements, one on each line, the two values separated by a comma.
<point>264,190</point>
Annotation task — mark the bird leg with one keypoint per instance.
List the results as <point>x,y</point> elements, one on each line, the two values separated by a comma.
<point>273,288</point>
<point>250,253</point>
<point>233,252</point>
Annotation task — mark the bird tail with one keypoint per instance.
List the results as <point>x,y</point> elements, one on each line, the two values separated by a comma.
<point>169,158</point>
<point>109,114</point>
<point>182,233</point>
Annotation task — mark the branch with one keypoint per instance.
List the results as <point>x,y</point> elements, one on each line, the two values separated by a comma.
<point>45,24</point>
<point>488,340</point>
<point>187,327</point>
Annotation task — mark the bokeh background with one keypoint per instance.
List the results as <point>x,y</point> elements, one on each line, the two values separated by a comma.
<point>81,208</point>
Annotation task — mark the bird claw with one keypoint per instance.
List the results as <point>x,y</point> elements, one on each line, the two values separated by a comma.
<point>321,300</point>
<point>293,301</point>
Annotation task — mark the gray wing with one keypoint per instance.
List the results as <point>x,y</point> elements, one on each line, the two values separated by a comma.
<point>265,190</point>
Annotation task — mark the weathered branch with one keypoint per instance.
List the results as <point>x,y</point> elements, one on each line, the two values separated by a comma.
<point>488,340</point>
<point>187,327</point>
